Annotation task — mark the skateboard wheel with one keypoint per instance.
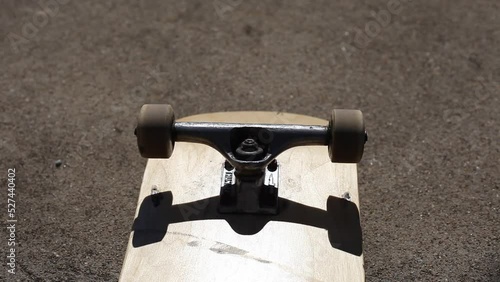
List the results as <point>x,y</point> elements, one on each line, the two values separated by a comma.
<point>154,131</point>
<point>347,136</point>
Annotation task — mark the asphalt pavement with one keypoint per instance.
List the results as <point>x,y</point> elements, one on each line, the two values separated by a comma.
<point>426,75</point>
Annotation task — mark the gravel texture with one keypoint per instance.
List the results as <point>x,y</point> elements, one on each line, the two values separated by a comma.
<point>73,80</point>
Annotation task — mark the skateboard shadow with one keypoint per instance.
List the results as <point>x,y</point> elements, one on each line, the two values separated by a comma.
<point>341,219</point>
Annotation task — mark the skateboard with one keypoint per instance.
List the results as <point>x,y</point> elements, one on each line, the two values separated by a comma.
<point>247,196</point>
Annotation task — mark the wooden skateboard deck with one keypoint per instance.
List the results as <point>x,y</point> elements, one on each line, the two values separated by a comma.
<point>178,234</point>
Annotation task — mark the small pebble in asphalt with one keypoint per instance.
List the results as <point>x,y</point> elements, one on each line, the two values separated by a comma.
<point>58,163</point>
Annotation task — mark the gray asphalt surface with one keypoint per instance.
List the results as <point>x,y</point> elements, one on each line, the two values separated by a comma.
<point>74,78</point>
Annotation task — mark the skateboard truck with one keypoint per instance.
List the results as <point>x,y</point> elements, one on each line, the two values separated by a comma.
<point>250,174</point>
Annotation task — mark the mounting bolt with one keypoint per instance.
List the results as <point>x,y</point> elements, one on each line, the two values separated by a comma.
<point>228,166</point>
<point>272,166</point>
